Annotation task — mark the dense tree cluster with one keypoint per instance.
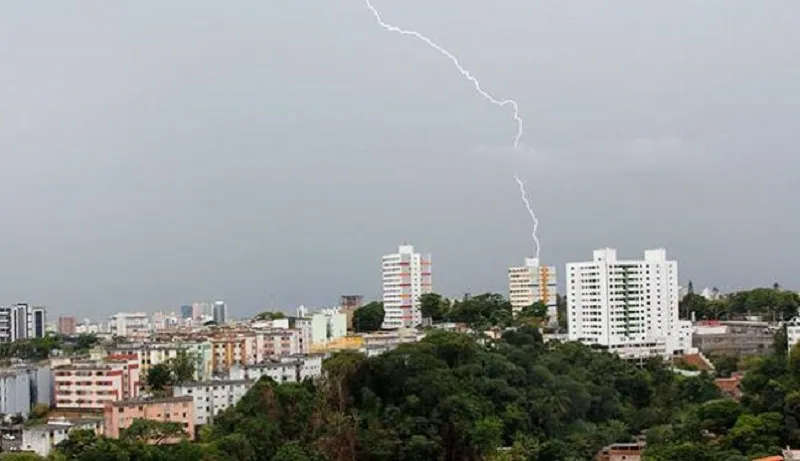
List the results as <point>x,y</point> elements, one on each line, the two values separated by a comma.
<point>41,348</point>
<point>269,315</point>
<point>451,398</point>
<point>368,317</point>
<point>766,419</point>
<point>479,312</point>
<point>773,303</point>
<point>177,370</point>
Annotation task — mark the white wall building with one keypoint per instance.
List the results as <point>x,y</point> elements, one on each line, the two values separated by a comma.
<point>213,397</point>
<point>406,277</point>
<point>22,321</point>
<point>328,324</point>
<point>533,283</point>
<point>15,392</point>
<point>41,439</point>
<point>126,324</point>
<point>285,370</point>
<point>628,306</point>
<point>793,332</point>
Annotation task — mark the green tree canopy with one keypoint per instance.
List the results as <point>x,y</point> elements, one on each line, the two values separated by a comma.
<point>268,315</point>
<point>183,367</point>
<point>368,317</point>
<point>159,376</point>
<point>435,306</point>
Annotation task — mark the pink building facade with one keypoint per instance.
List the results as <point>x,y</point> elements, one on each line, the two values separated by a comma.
<point>120,415</point>
<point>90,385</point>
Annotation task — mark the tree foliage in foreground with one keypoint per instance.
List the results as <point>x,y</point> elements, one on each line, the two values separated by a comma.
<point>449,398</point>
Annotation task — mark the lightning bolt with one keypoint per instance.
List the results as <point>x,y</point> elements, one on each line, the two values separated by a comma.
<point>497,102</point>
<point>530,212</point>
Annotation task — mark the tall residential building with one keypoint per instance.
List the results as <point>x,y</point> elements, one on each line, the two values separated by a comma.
<point>533,283</point>
<point>627,306</point>
<point>22,321</point>
<point>66,326</point>
<point>220,313</point>
<point>406,277</point>
<point>186,311</point>
<point>37,322</point>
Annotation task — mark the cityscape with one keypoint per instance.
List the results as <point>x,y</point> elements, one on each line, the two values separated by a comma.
<point>190,366</point>
<point>384,230</point>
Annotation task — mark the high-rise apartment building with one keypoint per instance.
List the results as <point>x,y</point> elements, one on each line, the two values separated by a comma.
<point>220,313</point>
<point>129,325</point>
<point>627,306</point>
<point>22,321</point>
<point>66,326</point>
<point>406,277</point>
<point>533,283</point>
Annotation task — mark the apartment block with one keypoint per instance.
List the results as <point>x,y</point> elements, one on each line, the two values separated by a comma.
<point>91,384</point>
<point>533,283</point>
<point>129,325</point>
<point>213,397</point>
<point>15,392</point>
<point>235,349</point>
<point>406,276</point>
<point>303,327</point>
<point>157,353</point>
<point>120,415</point>
<point>629,307</point>
<point>282,342</point>
<point>66,326</point>
<point>284,370</point>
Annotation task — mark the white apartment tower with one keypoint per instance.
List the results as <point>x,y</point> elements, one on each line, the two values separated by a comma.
<point>406,277</point>
<point>628,306</point>
<point>531,283</point>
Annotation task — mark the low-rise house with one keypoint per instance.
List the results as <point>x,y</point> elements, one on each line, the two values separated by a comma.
<point>120,415</point>
<point>730,386</point>
<point>42,438</point>
<point>213,397</point>
<point>733,337</point>
<point>621,452</point>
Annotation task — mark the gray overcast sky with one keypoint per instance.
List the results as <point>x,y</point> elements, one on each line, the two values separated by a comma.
<point>156,153</point>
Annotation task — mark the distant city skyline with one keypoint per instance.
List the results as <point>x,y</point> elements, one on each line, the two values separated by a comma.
<point>294,145</point>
